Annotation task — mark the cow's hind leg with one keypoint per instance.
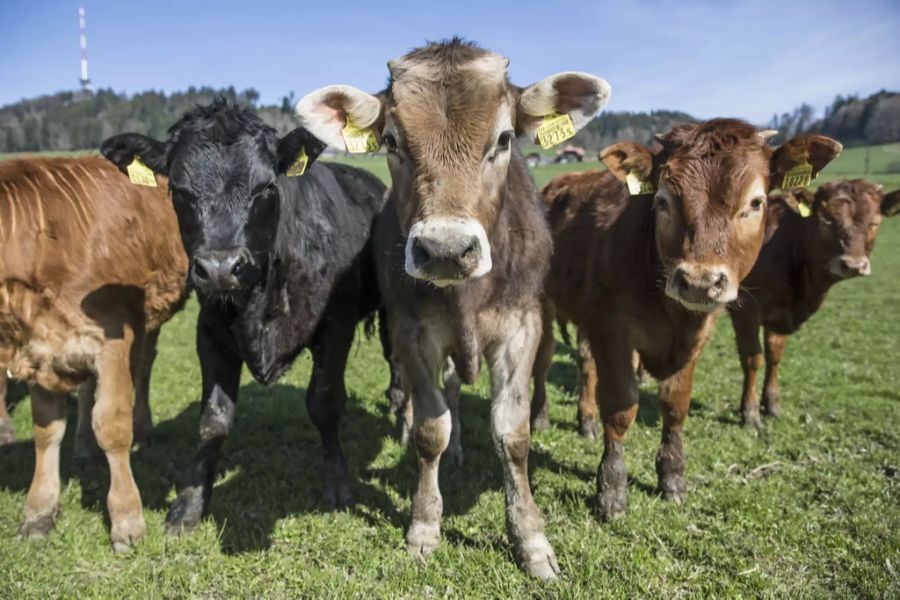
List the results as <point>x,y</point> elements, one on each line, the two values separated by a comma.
<point>775,344</point>
<point>325,401</point>
<point>221,372</point>
<point>511,359</point>
<point>587,389</point>
<point>746,333</point>
<point>86,448</point>
<point>540,405</point>
<point>42,504</point>
<point>143,419</point>
<point>112,423</point>
<point>7,434</point>
<point>452,389</point>
<point>395,395</point>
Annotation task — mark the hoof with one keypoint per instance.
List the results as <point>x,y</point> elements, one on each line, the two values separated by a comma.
<point>587,428</point>
<point>126,532</point>
<point>422,539</point>
<point>540,423</point>
<point>772,407</point>
<point>751,420</point>
<point>612,483</point>
<point>337,489</point>
<point>539,560</point>
<point>7,434</point>
<point>454,454</point>
<point>186,512</point>
<point>396,399</point>
<point>675,496</point>
<point>38,527</point>
<point>613,504</point>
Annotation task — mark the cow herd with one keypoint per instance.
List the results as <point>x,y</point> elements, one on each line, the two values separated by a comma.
<point>462,259</point>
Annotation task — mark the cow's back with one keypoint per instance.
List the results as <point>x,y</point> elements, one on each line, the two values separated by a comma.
<point>80,249</point>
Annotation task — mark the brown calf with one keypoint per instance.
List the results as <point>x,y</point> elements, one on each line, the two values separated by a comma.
<point>650,272</point>
<point>462,249</point>
<point>800,260</point>
<point>90,267</point>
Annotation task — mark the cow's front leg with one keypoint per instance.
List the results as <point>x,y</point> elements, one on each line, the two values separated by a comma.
<point>221,371</point>
<point>7,434</point>
<point>511,358</point>
<point>674,402</point>
<point>42,504</point>
<point>746,332</point>
<point>325,401</point>
<point>111,419</point>
<point>775,344</point>
<point>421,360</point>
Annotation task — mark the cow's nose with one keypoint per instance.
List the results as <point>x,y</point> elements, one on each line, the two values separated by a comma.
<point>855,265</point>
<point>698,287</point>
<point>218,271</point>
<point>446,258</point>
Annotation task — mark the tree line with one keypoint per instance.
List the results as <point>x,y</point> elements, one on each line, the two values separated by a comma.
<point>74,121</point>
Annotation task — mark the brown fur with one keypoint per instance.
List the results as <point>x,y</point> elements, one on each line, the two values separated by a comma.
<point>614,255</point>
<point>794,273</point>
<point>90,264</point>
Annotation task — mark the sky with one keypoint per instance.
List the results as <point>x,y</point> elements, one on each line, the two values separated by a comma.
<point>729,58</point>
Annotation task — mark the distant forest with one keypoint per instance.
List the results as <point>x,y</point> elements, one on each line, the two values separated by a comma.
<point>72,121</point>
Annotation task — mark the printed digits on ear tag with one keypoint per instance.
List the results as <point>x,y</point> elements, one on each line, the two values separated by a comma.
<point>298,167</point>
<point>555,129</point>
<point>140,174</point>
<point>638,186</point>
<point>359,139</point>
<point>797,176</point>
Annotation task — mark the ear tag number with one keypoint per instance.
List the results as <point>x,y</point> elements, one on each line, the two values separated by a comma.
<point>555,129</point>
<point>638,186</point>
<point>797,176</point>
<point>359,139</point>
<point>298,167</point>
<point>804,209</point>
<point>140,174</point>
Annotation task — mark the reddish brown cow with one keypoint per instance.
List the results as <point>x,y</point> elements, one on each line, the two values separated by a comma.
<point>7,435</point>
<point>90,267</point>
<point>651,272</point>
<point>800,260</point>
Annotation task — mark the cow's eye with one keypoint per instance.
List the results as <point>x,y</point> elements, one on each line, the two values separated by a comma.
<point>660,204</point>
<point>505,140</point>
<point>390,142</point>
<point>757,203</point>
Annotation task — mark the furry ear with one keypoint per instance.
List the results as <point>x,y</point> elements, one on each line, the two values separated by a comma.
<point>325,112</point>
<point>580,95</point>
<point>625,157</point>
<point>290,146</point>
<point>817,150</point>
<point>890,204</point>
<point>121,150</point>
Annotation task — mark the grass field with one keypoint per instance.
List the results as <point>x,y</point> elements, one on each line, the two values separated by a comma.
<point>809,508</point>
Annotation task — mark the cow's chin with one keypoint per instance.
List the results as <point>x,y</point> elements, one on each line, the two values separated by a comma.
<point>705,307</point>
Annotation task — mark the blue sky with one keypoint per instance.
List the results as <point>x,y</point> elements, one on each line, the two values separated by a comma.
<point>716,58</point>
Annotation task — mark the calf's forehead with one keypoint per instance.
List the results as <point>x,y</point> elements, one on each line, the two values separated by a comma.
<point>206,167</point>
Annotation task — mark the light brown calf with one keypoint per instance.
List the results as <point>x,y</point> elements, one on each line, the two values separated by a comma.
<point>90,267</point>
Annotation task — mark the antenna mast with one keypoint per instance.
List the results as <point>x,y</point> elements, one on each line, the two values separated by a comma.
<point>85,82</point>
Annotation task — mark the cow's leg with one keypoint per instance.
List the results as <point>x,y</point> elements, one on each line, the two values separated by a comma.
<point>540,406</point>
<point>86,448</point>
<point>587,389</point>
<point>452,389</point>
<point>674,402</point>
<point>618,400</point>
<point>394,393</point>
<point>221,372</point>
<point>42,504</point>
<point>112,423</point>
<point>143,419</point>
<point>746,333</point>
<point>421,360</point>
<point>7,434</point>
<point>511,358</point>
<point>325,401</point>
<point>775,344</point>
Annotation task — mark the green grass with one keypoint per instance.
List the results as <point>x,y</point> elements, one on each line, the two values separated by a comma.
<point>810,508</point>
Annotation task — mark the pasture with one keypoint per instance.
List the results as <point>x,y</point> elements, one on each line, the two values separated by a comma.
<point>810,507</point>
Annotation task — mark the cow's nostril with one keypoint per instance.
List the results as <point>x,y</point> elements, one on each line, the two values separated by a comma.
<point>472,249</point>
<point>420,254</point>
<point>721,281</point>
<point>200,270</point>
<point>239,262</point>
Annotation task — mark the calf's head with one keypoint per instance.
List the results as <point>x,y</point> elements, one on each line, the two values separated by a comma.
<point>449,121</point>
<point>845,217</point>
<point>710,181</point>
<point>223,165</point>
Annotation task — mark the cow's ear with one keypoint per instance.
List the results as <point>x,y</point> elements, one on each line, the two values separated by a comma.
<point>628,157</point>
<point>579,95</point>
<point>122,149</point>
<point>326,112</point>
<point>296,145</point>
<point>890,204</point>
<point>808,148</point>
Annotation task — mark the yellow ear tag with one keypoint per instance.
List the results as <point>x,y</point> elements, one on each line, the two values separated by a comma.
<point>555,129</point>
<point>797,176</point>
<point>638,186</point>
<point>359,139</point>
<point>298,167</point>
<point>804,209</point>
<point>140,174</point>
